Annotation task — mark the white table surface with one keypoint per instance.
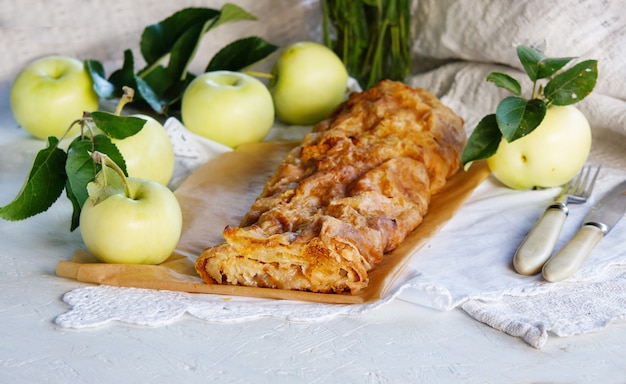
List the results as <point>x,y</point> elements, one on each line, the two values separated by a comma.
<point>397,343</point>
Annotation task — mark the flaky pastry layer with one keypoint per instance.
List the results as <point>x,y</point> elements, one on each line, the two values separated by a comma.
<point>355,187</point>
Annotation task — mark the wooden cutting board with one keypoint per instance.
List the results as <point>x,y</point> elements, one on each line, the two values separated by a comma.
<point>219,193</point>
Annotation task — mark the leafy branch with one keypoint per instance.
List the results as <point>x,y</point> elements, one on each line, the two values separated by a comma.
<point>159,87</point>
<point>55,169</point>
<point>516,116</point>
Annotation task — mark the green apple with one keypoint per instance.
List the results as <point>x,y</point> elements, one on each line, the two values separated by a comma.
<point>50,93</point>
<point>308,82</point>
<point>148,154</point>
<point>143,227</point>
<point>547,157</point>
<point>231,108</point>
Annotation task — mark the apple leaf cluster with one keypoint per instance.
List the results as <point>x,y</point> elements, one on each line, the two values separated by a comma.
<point>55,169</point>
<point>516,116</point>
<point>160,87</point>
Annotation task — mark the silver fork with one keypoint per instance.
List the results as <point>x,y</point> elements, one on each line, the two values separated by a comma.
<point>538,245</point>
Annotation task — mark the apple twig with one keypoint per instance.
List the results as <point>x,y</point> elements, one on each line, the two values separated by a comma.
<point>104,160</point>
<point>55,169</point>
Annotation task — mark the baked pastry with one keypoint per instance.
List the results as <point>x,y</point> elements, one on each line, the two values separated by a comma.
<point>350,192</point>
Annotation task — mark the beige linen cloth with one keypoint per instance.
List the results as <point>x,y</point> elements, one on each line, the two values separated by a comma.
<point>467,264</point>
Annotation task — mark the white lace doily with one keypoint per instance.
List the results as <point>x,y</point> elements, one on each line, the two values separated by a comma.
<point>94,306</point>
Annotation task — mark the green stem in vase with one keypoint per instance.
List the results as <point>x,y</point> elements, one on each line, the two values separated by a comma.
<point>372,37</point>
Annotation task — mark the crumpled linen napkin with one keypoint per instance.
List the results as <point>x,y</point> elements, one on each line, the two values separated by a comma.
<point>468,265</point>
<point>574,307</point>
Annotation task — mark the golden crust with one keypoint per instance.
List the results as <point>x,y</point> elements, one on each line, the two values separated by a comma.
<point>351,191</point>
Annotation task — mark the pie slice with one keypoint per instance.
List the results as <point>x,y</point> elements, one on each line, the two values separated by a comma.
<point>355,187</point>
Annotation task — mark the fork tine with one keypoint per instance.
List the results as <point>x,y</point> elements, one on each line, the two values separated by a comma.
<point>583,185</point>
<point>590,185</point>
<point>576,183</point>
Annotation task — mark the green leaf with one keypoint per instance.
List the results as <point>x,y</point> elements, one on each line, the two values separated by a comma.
<point>572,85</point>
<point>534,113</point>
<point>117,127</point>
<point>509,114</point>
<point>107,183</point>
<point>549,67</point>
<point>101,85</point>
<point>172,98</point>
<point>158,80</point>
<point>80,167</point>
<point>183,50</point>
<point>483,142</point>
<point>537,66</point>
<point>505,81</point>
<point>241,54</point>
<point>43,186</point>
<point>518,117</point>
<point>157,40</point>
<point>124,76</point>
<point>231,13</point>
<point>76,208</point>
<point>148,95</point>
<point>80,170</point>
<point>530,59</point>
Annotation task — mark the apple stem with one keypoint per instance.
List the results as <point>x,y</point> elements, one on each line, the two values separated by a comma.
<point>105,161</point>
<point>263,75</point>
<point>77,121</point>
<point>86,123</point>
<point>126,98</point>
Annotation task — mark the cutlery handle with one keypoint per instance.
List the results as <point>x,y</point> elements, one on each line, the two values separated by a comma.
<point>566,262</point>
<point>540,241</point>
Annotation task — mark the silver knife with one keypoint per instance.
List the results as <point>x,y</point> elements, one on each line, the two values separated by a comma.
<point>600,220</point>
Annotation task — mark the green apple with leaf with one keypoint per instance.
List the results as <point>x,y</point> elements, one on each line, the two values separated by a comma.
<point>129,220</point>
<point>148,154</point>
<point>229,107</point>
<point>122,219</point>
<point>555,151</point>
<point>50,93</point>
<point>542,141</point>
<point>56,169</point>
<point>308,82</point>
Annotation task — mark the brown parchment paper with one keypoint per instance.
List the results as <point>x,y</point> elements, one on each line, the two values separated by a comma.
<point>219,193</point>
